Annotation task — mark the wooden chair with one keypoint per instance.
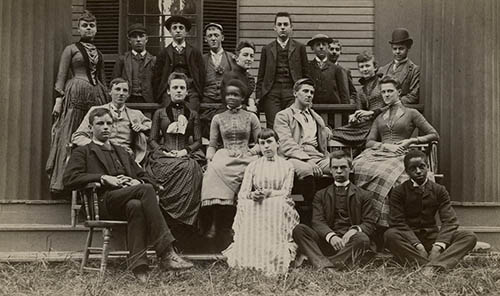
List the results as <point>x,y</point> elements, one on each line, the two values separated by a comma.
<point>93,221</point>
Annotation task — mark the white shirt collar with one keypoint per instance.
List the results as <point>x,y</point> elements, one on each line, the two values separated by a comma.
<point>281,43</point>
<point>401,62</point>
<point>344,184</point>
<point>415,184</point>
<point>143,53</point>
<point>321,61</point>
<point>114,108</point>
<point>219,53</point>
<point>97,141</point>
<point>179,46</point>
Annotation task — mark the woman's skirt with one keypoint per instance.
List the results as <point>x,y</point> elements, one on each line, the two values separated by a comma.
<point>80,95</point>
<point>223,177</point>
<point>181,180</point>
<point>263,235</point>
<point>352,134</point>
<point>378,171</point>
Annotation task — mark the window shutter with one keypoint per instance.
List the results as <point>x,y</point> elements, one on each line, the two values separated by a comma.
<point>107,39</point>
<point>224,12</point>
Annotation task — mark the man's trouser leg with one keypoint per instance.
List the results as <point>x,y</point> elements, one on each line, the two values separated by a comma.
<point>313,246</point>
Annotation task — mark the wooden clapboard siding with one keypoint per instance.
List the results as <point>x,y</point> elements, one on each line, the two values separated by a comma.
<point>352,22</point>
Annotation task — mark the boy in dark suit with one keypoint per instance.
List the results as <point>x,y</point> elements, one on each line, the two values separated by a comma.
<point>282,63</point>
<point>413,236</point>
<point>179,56</point>
<point>125,194</point>
<point>136,66</point>
<point>343,220</point>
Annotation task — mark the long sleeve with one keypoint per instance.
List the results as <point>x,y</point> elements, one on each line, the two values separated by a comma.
<point>368,215</point>
<point>319,220</point>
<point>397,217</point>
<point>304,62</point>
<point>353,93</point>
<point>158,72</point>
<point>343,86</point>
<point>214,132</point>
<point>196,132</point>
<point>261,74</point>
<point>75,174</point>
<point>374,135</point>
<point>83,135</point>
<point>288,146</point>
<point>155,135</point>
<point>118,68</point>
<point>288,184</point>
<point>247,184</point>
<point>449,221</point>
<point>412,97</point>
<point>427,131</point>
<point>64,67</point>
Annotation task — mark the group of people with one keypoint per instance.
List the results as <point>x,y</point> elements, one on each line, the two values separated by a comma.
<point>235,197</point>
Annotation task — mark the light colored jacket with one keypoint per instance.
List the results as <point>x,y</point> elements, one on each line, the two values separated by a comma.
<point>289,126</point>
<point>83,135</point>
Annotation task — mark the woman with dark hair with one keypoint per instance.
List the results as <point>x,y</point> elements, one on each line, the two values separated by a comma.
<point>79,86</point>
<point>245,56</point>
<point>226,166</point>
<point>380,166</point>
<point>265,216</point>
<point>174,162</point>
<point>370,104</point>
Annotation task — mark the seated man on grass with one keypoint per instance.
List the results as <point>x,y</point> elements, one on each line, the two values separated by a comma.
<point>343,220</point>
<point>413,236</point>
<point>125,195</point>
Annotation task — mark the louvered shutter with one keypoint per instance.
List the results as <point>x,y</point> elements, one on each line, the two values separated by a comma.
<point>224,12</point>
<point>107,39</point>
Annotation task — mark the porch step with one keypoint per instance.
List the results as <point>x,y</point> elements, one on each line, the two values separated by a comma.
<point>478,215</point>
<point>35,212</point>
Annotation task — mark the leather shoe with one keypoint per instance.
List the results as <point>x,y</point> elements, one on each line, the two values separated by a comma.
<point>141,274</point>
<point>172,261</point>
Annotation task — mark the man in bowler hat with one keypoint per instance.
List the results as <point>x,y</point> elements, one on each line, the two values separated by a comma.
<point>179,56</point>
<point>136,66</point>
<point>401,68</point>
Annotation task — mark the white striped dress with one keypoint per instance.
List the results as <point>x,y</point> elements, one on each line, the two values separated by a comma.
<point>263,230</point>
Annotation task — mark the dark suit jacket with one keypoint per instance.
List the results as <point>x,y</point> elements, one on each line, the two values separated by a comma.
<point>359,206</point>
<point>164,67</point>
<point>409,77</point>
<point>297,59</point>
<point>413,211</point>
<point>87,164</point>
<point>331,83</point>
<point>123,69</point>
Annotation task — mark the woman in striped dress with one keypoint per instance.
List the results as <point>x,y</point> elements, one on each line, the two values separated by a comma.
<point>265,214</point>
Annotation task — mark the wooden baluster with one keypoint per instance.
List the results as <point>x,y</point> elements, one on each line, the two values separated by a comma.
<point>106,237</point>
<point>96,204</point>
<point>86,203</point>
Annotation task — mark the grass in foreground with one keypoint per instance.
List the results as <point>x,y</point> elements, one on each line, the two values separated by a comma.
<point>477,276</point>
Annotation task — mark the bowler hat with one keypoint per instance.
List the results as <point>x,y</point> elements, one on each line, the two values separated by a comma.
<point>401,35</point>
<point>177,19</point>
<point>218,26</point>
<point>319,37</point>
<point>136,28</point>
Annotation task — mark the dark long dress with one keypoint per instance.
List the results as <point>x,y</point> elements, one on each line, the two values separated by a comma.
<point>181,177</point>
<point>354,134</point>
<point>80,82</point>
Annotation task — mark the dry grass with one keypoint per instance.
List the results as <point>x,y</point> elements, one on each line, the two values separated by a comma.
<point>477,276</point>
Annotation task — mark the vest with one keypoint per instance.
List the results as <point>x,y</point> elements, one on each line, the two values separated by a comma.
<point>282,64</point>
<point>180,62</point>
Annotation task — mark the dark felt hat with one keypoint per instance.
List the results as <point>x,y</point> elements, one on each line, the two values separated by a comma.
<point>302,81</point>
<point>218,26</point>
<point>401,35</point>
<point>177,19</point>
<point>319,37</point>
<point>136,28</point>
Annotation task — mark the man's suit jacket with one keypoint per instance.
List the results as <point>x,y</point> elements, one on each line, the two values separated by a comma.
<point>83,135</point>
<point>331,83</point>
<point>409,77</point>
<point>288,124</point>
<point>123,69</point>
<point>164,67</point>
<point>359,207</point>
<point>87,164</point>
<point>297,60</point>
<point>413,209</point>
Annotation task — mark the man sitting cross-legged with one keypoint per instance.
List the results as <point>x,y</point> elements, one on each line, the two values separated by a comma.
<point>124,195</point>
<point>413,236</point>
<point>343,220</point>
